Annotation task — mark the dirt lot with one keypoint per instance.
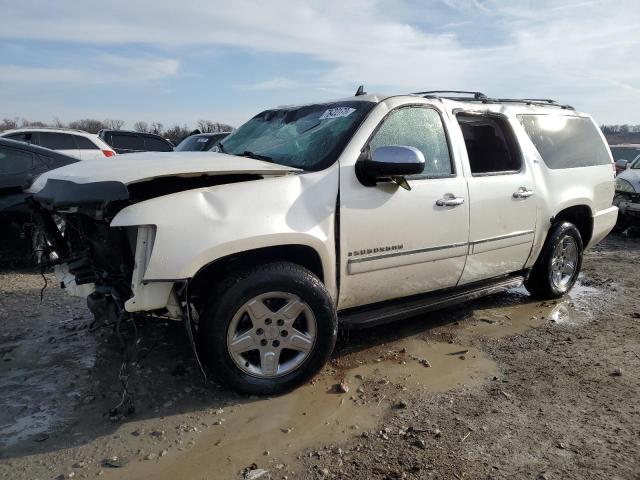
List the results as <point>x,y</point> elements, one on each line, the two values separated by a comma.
<point>504,387</point>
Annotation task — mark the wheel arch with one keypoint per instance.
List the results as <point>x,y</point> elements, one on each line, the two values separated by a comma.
<point>581,216</point>
<point>300,254</point>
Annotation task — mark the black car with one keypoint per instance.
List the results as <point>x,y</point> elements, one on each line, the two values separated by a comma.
<point>124,141</point>
<point>200,142</point>
<point>20,163</point>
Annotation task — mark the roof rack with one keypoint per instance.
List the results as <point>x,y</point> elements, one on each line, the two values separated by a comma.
<point>481,97</point>
<point>436,93</point>
<point>50,128</point>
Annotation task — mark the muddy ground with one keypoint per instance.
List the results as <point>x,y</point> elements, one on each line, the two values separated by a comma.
<point>504,387</point>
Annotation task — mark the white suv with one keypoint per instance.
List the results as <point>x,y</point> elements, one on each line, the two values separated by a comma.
<point>75,143</point>
<point>355,212</point>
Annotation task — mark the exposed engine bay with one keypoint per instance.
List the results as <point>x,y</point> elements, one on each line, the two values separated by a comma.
<point>94,260</point>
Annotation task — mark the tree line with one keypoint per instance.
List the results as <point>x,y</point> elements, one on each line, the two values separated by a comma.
<point>174,133</point>
<point>620,128</point>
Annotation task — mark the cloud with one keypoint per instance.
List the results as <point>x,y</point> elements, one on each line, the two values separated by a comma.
<point>106,69</point>
<point>576,50</point>
<point>278,83</point>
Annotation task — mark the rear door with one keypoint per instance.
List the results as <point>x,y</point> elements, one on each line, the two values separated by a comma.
<point>15,166</point>
<point>61,142</point>
<point>503,210</point>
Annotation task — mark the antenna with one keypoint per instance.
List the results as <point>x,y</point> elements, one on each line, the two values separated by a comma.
<point>360,91</point>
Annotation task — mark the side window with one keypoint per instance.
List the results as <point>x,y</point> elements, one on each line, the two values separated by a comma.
<point>419,127</point>
<point>13,161</point>
<point>157,145</point>
<point>57,141</point>
<point>566,142</point>
<point>127,142</point>
<point>84,143</point>
<point>27,137</point>
<point>491,146</point>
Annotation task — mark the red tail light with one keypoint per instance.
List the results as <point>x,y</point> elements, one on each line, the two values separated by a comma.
<point>108,153</point>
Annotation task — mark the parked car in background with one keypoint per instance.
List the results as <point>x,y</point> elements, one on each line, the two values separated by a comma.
<point>624,154</point>
<point>74,143</point>
<point>125,141</point>
<point>200,142</point>
<point>627,196</point>
<point>361,210</point>
<point>19,164</point>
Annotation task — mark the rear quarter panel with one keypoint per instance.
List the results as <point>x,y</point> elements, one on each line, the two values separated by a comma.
<point>558,189</point>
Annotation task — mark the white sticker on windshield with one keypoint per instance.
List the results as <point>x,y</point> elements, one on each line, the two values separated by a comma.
<point>202,139</point>
<point>337,112</point>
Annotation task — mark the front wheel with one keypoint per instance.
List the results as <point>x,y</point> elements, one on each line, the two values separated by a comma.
<point>558,265</point>
<point>269,329</point>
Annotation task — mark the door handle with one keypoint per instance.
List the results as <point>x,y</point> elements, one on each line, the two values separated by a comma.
<point>449,200</point>
<point>523,192</point>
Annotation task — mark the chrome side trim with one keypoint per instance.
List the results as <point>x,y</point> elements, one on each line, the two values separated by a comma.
<point>502,241</point>
<point>502,237</point>
<point>357,265</point>
<point>406,252</point>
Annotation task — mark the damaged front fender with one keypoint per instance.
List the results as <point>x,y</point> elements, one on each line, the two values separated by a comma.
<point>196,227</point>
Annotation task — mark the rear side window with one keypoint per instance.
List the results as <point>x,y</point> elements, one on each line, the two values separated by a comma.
<point>84,143</point>
<point>566,142</point>
<point>157,145</point>
<point>13,161</point>
<point>418,127</point>
<point>57,141</point>
<point>128,142</point>
<point>491,146</point>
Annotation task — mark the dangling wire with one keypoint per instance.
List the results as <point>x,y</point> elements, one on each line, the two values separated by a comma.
<point>189,326</point>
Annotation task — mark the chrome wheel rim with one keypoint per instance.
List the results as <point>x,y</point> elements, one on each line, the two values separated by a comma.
<point>271,335</point>
<point>564,263</point>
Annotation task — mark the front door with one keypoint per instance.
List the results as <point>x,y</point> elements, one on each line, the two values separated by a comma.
<point>396,242</point>
<point>502,198</point>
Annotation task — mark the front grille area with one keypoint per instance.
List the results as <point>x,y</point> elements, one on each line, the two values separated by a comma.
<point>99,254</point>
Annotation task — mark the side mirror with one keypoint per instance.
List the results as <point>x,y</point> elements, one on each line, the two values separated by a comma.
<point>622,164</point>
<point>390,164</point>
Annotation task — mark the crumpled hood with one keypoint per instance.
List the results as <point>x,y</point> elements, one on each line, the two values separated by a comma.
<point>136,167</point>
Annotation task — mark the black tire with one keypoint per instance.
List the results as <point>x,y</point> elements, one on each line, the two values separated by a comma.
<point>622,223</point>
<point>540,283</point>
<point>240,287</point>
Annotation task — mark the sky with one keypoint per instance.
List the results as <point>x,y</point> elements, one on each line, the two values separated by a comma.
<point>178,62</point>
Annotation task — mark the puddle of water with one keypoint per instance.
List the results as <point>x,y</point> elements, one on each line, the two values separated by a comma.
<point>315,414</point>
<point>38,386</point>
<point>451,366</point>
<point>312,414</point>
<point>522,314</point>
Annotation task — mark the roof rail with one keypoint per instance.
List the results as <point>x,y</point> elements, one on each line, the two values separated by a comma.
<point>436,93</point>
<point>544,102</point>
<point>481,97</point>
<point>28,127</point>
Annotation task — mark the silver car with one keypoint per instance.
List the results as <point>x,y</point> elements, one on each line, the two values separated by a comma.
<point>627,197</point>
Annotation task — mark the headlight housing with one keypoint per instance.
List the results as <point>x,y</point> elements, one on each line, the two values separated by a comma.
<point>624,186</point>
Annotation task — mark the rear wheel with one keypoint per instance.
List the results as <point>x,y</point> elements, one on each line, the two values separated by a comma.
<point>557,268</point>
<point>269,329</point>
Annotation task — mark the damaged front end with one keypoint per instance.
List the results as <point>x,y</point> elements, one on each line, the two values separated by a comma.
<point>90,258</point>
<point>103,263</point>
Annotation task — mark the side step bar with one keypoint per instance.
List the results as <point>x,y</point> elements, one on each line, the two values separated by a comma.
<point>390,311</point>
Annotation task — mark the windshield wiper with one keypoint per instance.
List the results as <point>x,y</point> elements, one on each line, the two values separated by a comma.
<point>256,156</point>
